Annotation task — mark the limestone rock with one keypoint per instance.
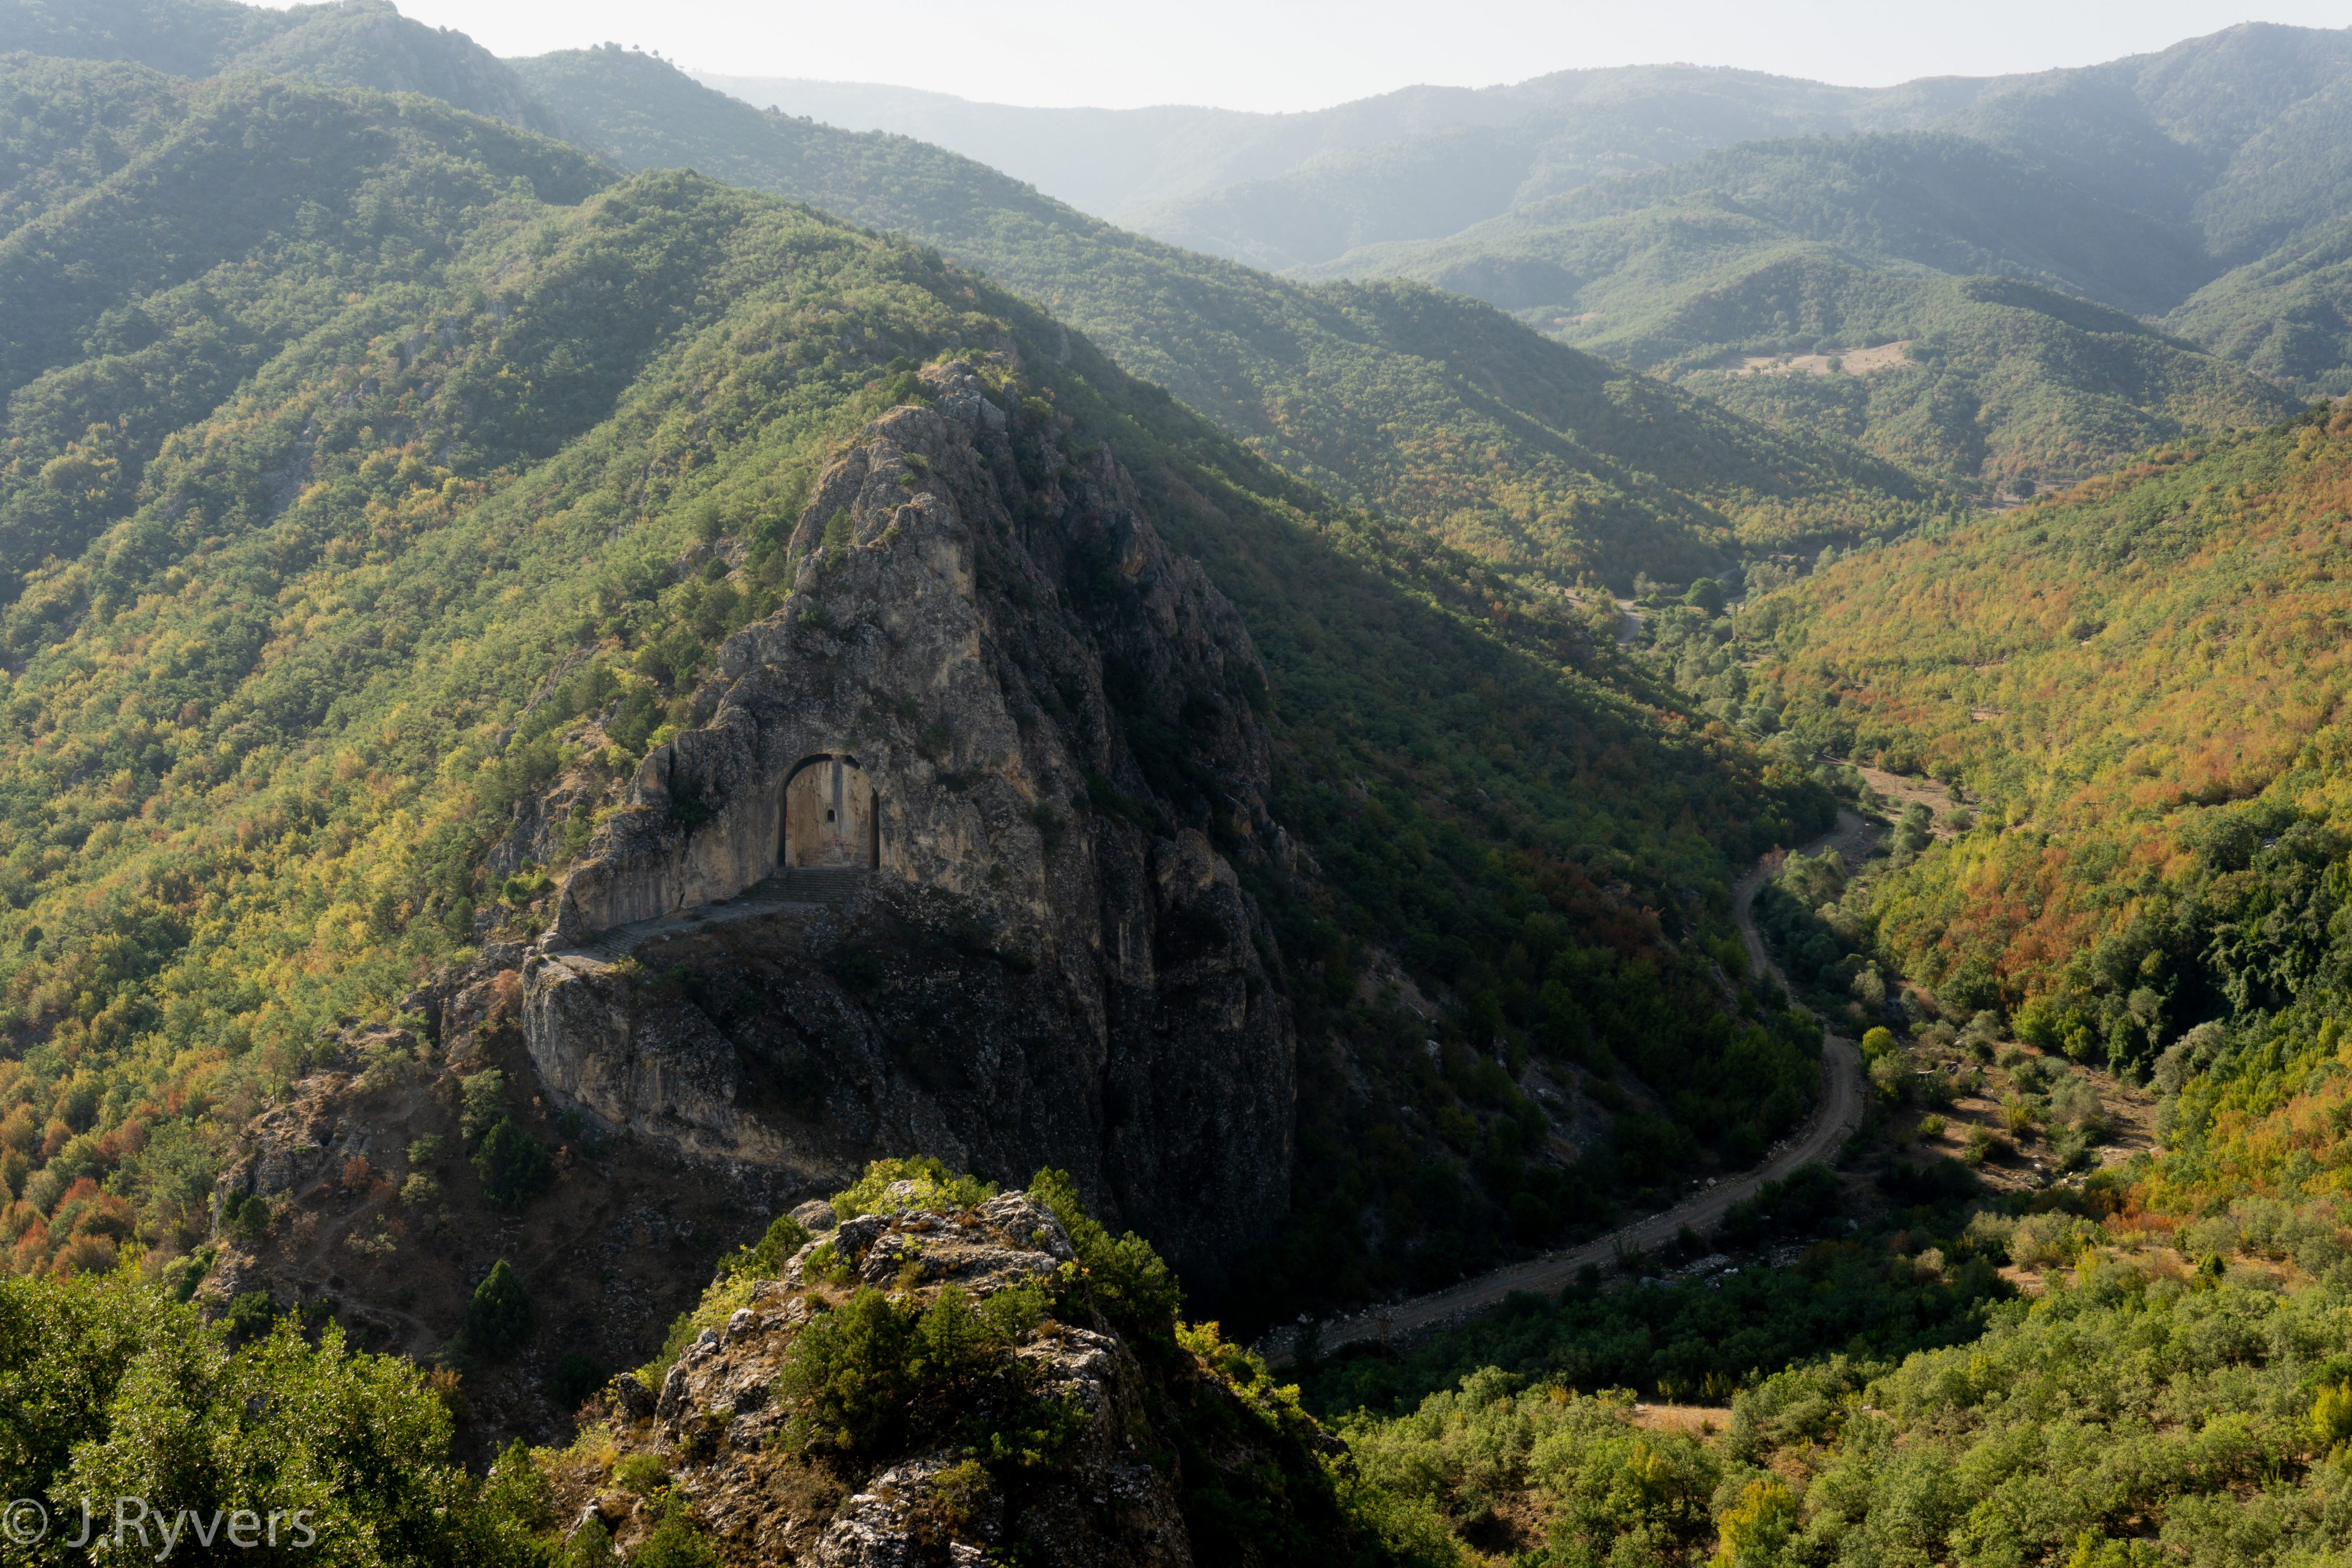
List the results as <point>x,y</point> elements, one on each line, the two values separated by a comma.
<point>1109,1499</point>
<point>635,1399</point>
<point>912,886</point>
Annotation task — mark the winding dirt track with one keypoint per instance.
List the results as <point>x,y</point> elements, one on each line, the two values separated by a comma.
<point>1834,1119</point>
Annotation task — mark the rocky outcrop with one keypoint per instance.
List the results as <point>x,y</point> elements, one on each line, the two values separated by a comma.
<point>1111,1491</point>
<point>1048,721</point>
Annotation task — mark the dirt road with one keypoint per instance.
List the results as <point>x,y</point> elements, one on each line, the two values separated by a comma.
<point>1834,1119</point>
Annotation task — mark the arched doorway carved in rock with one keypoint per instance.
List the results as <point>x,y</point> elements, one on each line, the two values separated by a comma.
<point>830,817</point>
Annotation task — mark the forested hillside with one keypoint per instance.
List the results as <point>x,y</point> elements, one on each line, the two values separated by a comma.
<point>1715,226</point>
<point>2137,684</point>
<point>1988,380</point>
<point>323,542</point>
<point>2125,675</point>
<point>1966,267</point>
<point>350,43</point>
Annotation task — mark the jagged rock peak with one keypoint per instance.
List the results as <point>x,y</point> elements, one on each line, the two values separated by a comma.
<point>951,630</point>
<point>951,856</point>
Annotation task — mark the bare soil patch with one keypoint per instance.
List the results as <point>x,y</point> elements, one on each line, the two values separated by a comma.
<point>1852,362</point>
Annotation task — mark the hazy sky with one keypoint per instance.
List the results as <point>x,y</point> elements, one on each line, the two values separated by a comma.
<point>1285,54</point>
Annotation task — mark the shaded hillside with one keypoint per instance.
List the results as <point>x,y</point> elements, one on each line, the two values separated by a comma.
<point>1821,248</point>
<point>2283,316</point>
<point>1928,200</point>
<point>2226,145</point>
<point>1441,414</point>
<point>1590,127</point>
<point>2135,183</point>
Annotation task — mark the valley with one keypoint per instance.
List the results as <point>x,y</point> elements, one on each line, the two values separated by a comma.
<point>1835,1117</point>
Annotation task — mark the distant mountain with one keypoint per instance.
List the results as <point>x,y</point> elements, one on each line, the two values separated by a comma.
<point>1099,160</point>
<point>1566,131</point>
<point>1442,414</point>
<point>1280,190</point>
<point>2287,315</point>
<point>2198,186</point>
<point>1686,220</point>
<point>1617,251</point>
<point>1982,378</point>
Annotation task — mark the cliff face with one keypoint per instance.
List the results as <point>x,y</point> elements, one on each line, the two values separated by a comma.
<point>949,867</point>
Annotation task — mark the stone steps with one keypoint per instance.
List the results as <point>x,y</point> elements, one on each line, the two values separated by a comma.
<point>821,884</point>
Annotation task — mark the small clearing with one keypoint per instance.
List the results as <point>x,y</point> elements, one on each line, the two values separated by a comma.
<point>1692,1420</point>
<point>1852,362</point>
<point>1900,790</point>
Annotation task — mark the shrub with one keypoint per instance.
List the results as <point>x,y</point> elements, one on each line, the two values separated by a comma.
<point>675,1543</point>
<point>849,1375</point>
<point>1888,1076</point>
<point>932,1186</point>
<point>516,1491</point>
<point>248,1216</point>
<point>514,1167</point>
<point>590,1546</point>
<point>2040,1240</point>
<point>2074,1100</point>
<point>575,1377</point>
<point>250,1315</point>
<point>859,1376</point>
<point>766,1257</point>
<point>1123,1280</point>
<point>183,1275</point>
<point>498,1318</point>
<point>860,973</point>
<point>644,1474</point>
<point>2331,1418</point>
<point>1754,1529</point>
<point>482,1101</point>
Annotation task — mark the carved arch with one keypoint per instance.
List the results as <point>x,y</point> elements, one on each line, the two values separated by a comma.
<point>828,815</point>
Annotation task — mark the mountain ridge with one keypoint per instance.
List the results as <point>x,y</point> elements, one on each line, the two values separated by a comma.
<point>1332,385</point>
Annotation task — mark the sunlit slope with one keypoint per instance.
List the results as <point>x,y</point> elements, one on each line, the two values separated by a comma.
<point>2122,674</point>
